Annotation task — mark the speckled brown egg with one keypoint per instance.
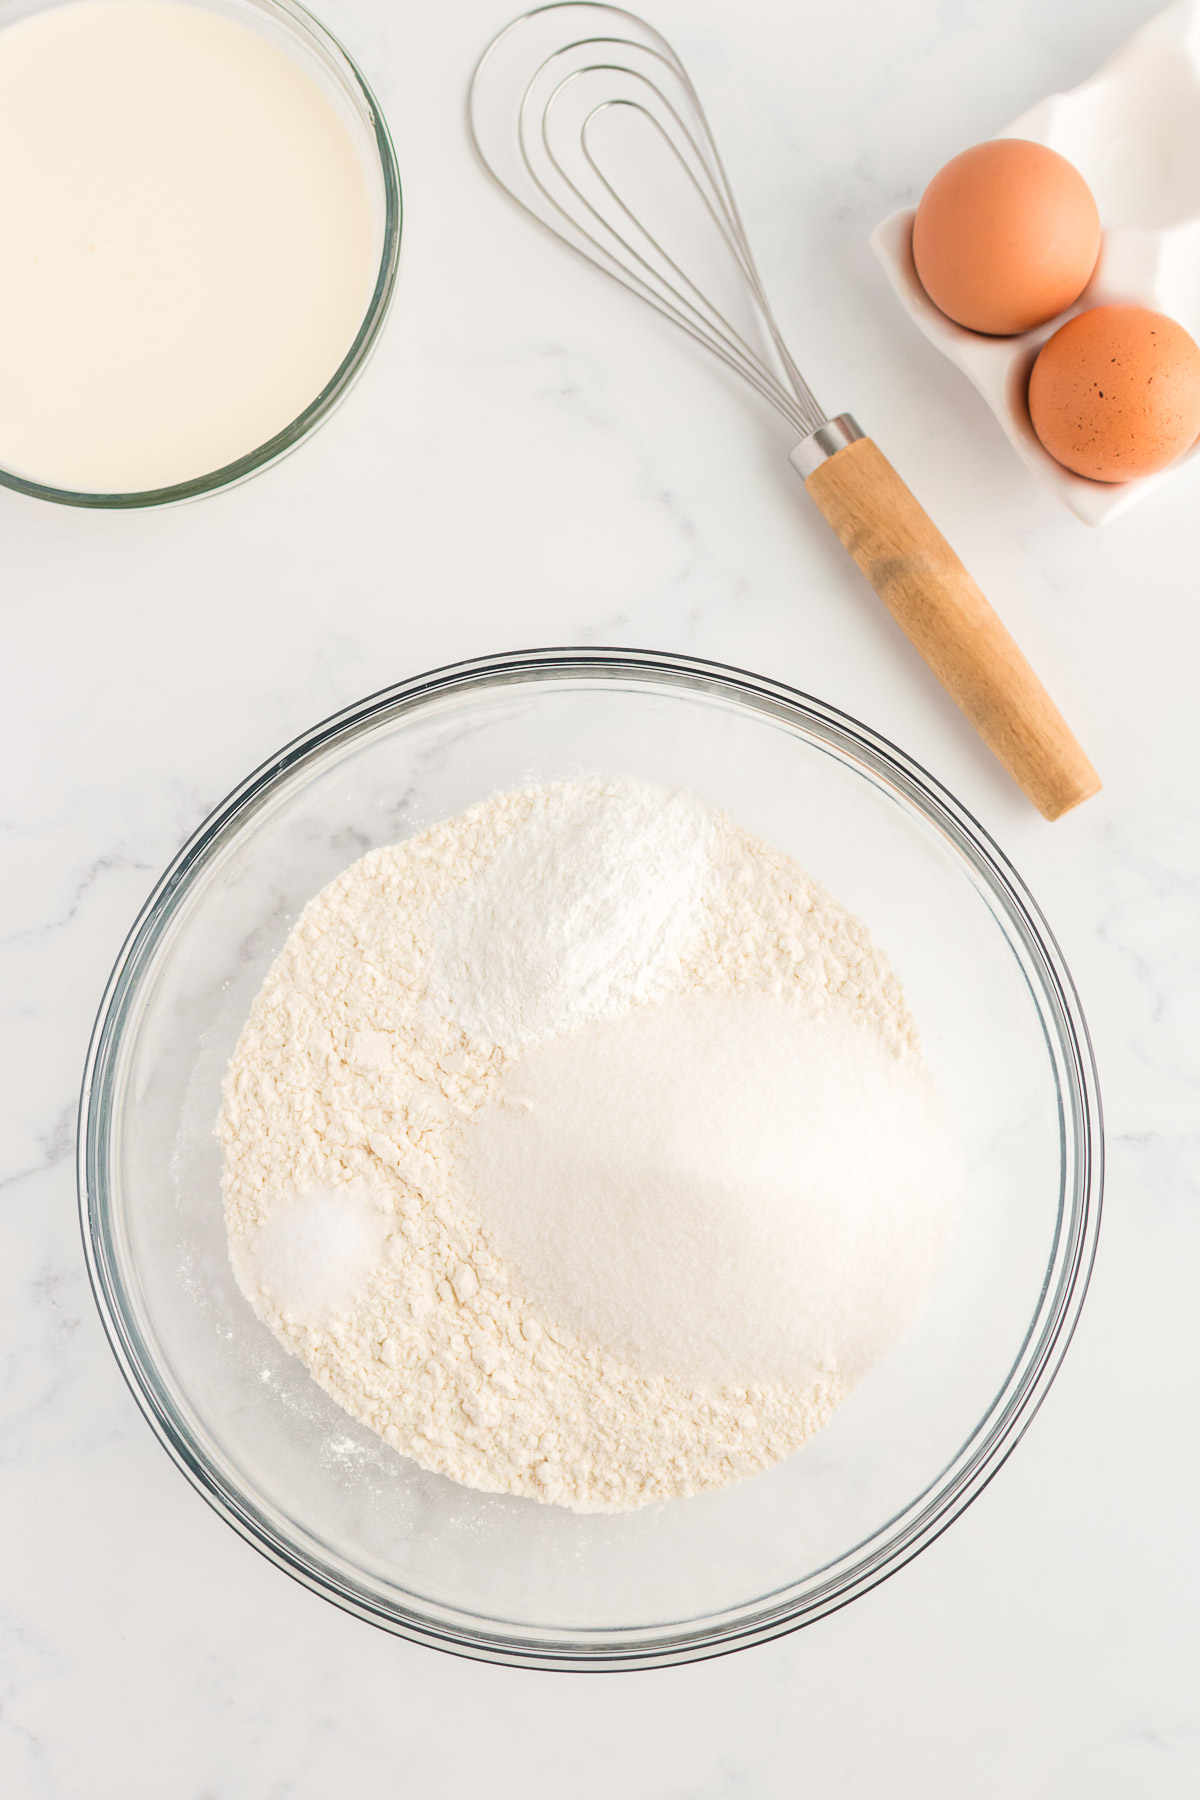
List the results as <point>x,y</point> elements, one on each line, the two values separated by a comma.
<point>1006,236</point>
<point>1115,393</point>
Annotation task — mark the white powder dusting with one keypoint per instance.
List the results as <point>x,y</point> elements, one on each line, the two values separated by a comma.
<point>587,908</point>
<point>420,999</point>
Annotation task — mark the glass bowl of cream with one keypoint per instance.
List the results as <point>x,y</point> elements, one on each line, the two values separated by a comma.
<point>199,236</point>
<point>499,1576</point>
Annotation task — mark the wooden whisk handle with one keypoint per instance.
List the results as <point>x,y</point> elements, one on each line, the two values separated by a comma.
<point>933,598</point>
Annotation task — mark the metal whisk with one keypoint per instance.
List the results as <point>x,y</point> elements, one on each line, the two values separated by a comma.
<point>586,117</point>
<point>574,86</point>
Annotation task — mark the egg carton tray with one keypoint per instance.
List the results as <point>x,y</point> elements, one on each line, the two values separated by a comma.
<point>1133,132</point>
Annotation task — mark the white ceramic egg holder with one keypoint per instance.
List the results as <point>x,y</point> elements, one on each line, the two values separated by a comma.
<point>1133,132</point>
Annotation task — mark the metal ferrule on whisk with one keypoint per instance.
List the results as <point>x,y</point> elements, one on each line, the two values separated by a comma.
<point>823,443</point>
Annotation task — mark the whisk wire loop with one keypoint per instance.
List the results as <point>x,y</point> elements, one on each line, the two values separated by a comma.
<point>730,344</point>
<point>698,316</point>
<point>556,122</point>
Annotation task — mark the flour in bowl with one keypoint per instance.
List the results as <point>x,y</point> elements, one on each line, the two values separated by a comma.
<point>583,1148</point>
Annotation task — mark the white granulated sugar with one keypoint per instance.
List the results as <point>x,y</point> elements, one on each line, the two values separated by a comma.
<point>424,995</point>
<point>723,1188</point>
<point>588,907</point>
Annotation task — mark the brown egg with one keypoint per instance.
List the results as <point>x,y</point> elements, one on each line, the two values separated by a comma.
<point>1006,236</point>
<point>1115,393</point>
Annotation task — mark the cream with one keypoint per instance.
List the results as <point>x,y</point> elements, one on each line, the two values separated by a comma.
<point>187,245</point>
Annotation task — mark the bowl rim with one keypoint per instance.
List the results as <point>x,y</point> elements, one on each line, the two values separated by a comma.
<point>894,1543</point>
<point>301,23</point>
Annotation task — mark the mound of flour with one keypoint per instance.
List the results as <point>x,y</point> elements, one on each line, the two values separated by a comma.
<point>541,1058</point>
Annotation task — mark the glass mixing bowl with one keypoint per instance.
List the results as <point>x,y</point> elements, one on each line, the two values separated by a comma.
<point>508,1579</point>
<point>323,59</point>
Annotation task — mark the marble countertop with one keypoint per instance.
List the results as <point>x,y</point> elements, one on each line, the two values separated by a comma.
<point>533,459</point>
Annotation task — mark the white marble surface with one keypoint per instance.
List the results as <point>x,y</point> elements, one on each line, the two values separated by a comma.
<point>530,460</point>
